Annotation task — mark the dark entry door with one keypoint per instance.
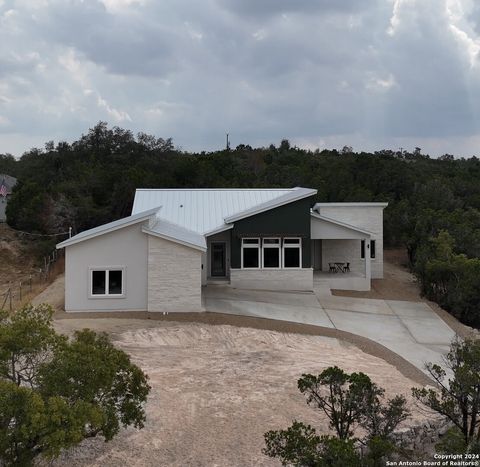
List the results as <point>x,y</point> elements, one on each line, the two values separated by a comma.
<point>218,260</point>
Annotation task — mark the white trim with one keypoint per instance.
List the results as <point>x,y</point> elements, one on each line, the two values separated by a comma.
<point>277,246</point>
<point>173,239</point>
<point>107,270</point>
<point>296,194</point>
<point>221,229</point>
<point>252,245</point>
<point>352,204</point>
<point>297,246</point>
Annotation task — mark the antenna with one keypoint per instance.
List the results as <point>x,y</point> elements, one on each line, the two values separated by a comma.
<point>228,144</point>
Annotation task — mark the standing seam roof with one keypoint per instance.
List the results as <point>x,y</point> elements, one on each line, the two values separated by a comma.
<point>203,210</point>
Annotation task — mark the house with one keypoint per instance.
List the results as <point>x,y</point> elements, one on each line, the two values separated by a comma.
<point>6,186</point>
<point>178,240</point>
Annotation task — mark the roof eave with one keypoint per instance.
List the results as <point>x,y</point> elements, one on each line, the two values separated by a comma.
<point>220,229</point>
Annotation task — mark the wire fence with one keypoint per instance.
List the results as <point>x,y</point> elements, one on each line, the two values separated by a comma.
<point>17,292</point>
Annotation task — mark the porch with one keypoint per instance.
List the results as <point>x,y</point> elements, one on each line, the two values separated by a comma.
<point>340,255</point>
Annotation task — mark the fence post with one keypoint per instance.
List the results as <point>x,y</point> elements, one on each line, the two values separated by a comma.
<point>30,281</point>
<point>20,290</point>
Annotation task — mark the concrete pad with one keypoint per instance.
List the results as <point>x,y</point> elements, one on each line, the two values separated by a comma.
<point>315,316</point>
<point>429,330</point>
<point>359,305</point>
<point>284,298</point>
<point>380,328</point>
<point>389,331</point>
<point>410,309</point>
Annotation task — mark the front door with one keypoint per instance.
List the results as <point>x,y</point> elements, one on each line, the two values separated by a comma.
<point>218,259</point>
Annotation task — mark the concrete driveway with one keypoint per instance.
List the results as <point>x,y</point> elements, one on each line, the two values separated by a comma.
<point>410,329</point>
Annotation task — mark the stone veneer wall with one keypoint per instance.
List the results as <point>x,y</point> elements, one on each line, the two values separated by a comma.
<point>272,279</point>
<point>174,277</point>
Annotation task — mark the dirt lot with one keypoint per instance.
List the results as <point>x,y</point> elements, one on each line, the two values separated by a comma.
<point>217,389</point>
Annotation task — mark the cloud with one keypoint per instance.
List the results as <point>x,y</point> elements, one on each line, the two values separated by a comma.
<point>375,72</point>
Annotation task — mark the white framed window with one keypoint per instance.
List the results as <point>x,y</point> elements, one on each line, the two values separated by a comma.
<point>250,253</point>
<point>292,253</point>
<point>372,249</point>
<point>107,282</point>
<point>271,257</point>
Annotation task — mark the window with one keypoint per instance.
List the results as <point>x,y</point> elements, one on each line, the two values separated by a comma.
<point>107,282</point>
<point>250,252</point>
<point>292,253</point>
<point>372,249</point>
<point>271,253</point>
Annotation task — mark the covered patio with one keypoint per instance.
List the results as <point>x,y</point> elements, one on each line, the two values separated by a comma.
<point>340,254</point>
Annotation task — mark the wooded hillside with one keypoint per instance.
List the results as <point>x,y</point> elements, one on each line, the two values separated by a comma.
<point>434,204</point>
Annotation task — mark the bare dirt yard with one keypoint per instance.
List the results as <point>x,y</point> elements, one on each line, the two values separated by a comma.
<point>216,389</point>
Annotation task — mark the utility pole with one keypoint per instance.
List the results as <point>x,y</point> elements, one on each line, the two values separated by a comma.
<point>228,144</point>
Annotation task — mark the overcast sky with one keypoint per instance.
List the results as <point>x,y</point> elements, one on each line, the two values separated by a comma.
<point>371,74</point>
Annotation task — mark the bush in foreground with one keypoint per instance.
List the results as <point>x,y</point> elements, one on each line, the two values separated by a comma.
<point>55,392</point>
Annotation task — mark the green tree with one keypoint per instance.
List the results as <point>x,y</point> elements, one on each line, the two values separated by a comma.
<point>349,401</point>
<point>55,392</point>
<point>458,397</point>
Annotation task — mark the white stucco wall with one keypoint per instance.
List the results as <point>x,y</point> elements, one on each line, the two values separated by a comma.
<point>368,218</point>
<point>174,277</point>
<point>126,248</point>
<point>272,279</point>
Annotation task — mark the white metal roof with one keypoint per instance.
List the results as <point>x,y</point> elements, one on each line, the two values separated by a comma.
<point>209,210</point>
<point>177,234</point>
<point>110,227</point>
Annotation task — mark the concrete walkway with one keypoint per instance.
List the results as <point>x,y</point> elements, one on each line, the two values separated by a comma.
<point>410,329</point>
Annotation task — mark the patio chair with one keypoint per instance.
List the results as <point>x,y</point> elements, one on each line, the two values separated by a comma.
<point>332,267</point>
<point>346,268</point>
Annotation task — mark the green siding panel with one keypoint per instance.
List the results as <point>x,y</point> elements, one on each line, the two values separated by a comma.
<point>290,220</point>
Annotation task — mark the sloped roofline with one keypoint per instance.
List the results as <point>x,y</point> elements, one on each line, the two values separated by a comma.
<point>110,227</point>
<point>340,224</point>
<point>352,204</point>
<point>177,234</point>
<point>295,194</point>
